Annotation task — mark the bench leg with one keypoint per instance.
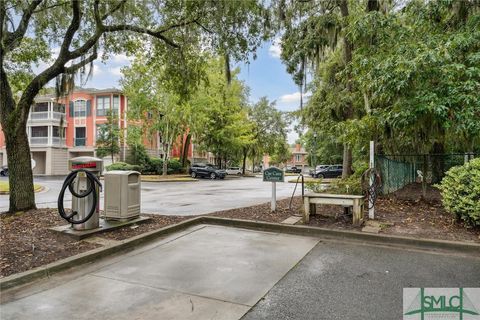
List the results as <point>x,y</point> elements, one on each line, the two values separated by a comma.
<point>306,207</point>
<point>313,209</point>
<point>357,213</point>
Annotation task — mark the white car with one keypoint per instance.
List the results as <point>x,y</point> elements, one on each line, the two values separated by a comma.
<point>234,170</point>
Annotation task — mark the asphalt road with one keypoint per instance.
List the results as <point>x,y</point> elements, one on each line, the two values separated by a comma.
<point>179,198</point>
<point>354,281</point>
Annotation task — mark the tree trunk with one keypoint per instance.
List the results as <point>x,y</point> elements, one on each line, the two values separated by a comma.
<point>245,152</point>
<point>166,152</point>
<point>348,48</point>
<point>22,196</point>
<point>347,161</point>
<point>186,147</point>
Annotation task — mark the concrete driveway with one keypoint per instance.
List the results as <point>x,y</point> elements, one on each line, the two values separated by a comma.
<point>180,198</point>
<point>206,273</point>
<point>214,272</point>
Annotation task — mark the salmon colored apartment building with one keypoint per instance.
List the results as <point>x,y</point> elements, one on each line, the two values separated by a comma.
<point>67,127</point>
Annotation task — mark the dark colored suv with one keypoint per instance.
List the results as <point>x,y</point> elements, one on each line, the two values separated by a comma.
<point>329,172</point>
<point>293,170</point>
<point>207,171</point>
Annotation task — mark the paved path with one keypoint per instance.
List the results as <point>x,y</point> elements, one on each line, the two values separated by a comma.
<point>210,273</point>
<point>180,198</point>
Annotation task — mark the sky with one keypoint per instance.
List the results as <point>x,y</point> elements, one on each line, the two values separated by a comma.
<point>265,76</point>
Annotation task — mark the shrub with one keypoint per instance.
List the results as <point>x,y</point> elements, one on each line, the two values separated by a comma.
<point>153,166</point>
<point>174,166</point>
<point>314,186</point>
<point>138,155</point>
<point>460,190</point>
<point>350,185</point>
<point>123,167</point>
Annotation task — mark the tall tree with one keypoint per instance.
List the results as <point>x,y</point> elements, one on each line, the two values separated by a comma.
<point>269,132</point>
<point>152,103</point>
<point>108,138</point>
<point>315,32</point>
<point>84,29</point>
<point>221,123</point>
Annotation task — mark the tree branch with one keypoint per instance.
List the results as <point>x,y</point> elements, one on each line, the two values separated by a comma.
<point>72,29</point>
<point>14,38</point>
<point>74,67</point>
<point>181,24</point>
<point>51,7</point>
<point>156,34</point>
<point>114,9</point>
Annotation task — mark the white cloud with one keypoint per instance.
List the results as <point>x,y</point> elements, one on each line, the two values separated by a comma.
<point>275,50</point>
<point>121,58</point>
<point>97,70</point>
<point>291,101</point>
<point>116,71</point>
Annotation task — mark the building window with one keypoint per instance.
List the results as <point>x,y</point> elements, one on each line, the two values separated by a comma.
<point>56,132</point>
<point>116,104</point>
<point>57,107</point>
<point>80,108</point>
<point>103,105</point>
<point>80,136</point>
<point>40,131</point>
<point>298,158</point>
<point>40,107</point>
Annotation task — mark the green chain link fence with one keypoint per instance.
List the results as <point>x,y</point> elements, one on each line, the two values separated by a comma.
<point>397,171</point>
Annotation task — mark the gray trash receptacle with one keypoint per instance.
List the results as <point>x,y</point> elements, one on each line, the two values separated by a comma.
<point>122,194</point>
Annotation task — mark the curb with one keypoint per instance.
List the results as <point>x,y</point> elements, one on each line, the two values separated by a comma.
<point>89,256</point>
<point>134,242</point>
<point>170,180</point>
<point>389,240</point>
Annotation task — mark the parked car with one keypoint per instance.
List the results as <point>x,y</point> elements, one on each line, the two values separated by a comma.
<point>207,171</point>
<point>234,170</point>
<point>317,169</point>
<point>334,171</point>
<point>293,170</point>
<point>4,171</point>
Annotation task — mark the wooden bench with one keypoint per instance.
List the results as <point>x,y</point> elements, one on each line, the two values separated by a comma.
<point>346,200</point>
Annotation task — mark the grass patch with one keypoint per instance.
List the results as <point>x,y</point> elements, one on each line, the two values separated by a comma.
<point>5,188</point>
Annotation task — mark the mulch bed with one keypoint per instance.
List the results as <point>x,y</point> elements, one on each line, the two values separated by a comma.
<point>26,242</point>
<point>405,213</point>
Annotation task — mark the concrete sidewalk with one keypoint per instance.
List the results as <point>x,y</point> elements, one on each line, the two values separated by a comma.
<point>209,272</point>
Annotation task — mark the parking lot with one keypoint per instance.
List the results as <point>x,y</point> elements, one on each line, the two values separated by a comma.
<point>180,198</point>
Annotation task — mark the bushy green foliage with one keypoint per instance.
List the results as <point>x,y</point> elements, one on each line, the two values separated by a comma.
<point>174,166</point>
<point>138,155</point>
<point>154,165</point>
<point>460,190</point>
<point>315,186</point>
<point>352,184</point>
<point>124,167</point>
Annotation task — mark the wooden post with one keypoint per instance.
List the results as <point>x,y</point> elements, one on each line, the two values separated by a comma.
<point>306,209</point>
<point>371,207</point>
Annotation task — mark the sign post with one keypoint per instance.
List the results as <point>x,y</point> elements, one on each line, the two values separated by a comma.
<point>273,175</point>
<point>371,207</point>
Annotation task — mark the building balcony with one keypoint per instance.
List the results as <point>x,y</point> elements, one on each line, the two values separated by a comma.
<point>46,116</point>
<point>47,141</point>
